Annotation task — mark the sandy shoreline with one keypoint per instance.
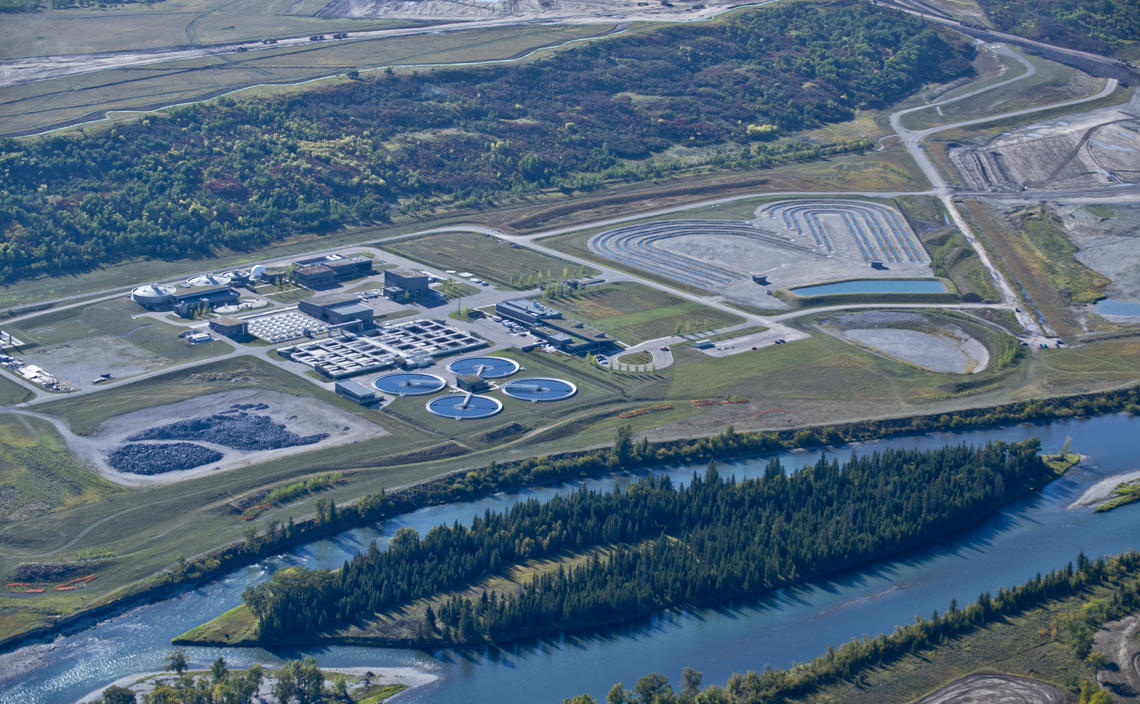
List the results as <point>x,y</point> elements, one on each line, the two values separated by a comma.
<point>409,676</point>
<point>1102,490</point>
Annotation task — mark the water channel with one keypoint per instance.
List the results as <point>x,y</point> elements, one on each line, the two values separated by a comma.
<point>1036,534</point>
<point>873,286</point>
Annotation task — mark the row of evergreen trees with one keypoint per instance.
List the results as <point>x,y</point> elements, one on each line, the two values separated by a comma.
<point>712,540</point>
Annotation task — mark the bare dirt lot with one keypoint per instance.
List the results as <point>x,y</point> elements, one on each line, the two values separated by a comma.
<point>912,338</point>
<point>1118,640</point>
<point>1097,148</point>
<point>996,689</point>
<point>1108,240</point>
<point>300,415</point>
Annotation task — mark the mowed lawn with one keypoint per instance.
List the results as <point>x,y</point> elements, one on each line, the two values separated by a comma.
<point>487,258</point>
<point>635,313</point>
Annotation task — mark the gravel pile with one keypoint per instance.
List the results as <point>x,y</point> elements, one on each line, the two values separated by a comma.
<point>236,428</point>
<point>154,458</point>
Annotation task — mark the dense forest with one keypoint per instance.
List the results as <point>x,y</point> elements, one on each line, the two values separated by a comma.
<point>1091,25</point>
<point>1120,573</point>
<point>237,175</point>
<point>712,540</point>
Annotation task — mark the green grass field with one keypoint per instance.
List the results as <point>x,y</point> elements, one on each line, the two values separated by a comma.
<point>634,313</point>
<point>487,258</point>
<point>38,475</point>
<point>113,323</point>
<point>12,393</point>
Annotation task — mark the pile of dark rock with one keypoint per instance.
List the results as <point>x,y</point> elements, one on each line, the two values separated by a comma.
<point>159,458</point>
<point>235,428</point>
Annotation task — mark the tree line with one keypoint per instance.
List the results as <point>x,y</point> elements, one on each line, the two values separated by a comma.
<point>233,175</point>
<point>711,540</point>
<point>1120,573</point>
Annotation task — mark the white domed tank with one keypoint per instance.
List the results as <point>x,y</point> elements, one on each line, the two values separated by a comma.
<point>209,280</point>
<point>257,273</point>
<point>153,296</point>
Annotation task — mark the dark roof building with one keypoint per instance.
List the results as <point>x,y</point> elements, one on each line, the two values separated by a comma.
<point>414,282</point>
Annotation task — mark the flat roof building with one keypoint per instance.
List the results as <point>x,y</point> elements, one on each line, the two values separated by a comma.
<point>415,283</point>
<point>189,303</point>
<point>526,310</point>
<point>355,390</point>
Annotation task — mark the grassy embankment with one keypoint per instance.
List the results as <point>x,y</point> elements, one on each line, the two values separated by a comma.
<point>1032,249</point>
<point>487,258</point>
<point>1026,645</point>
<point>951,256</point>
<point>1052,83</point>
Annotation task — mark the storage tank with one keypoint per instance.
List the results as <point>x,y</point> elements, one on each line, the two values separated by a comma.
<point>153,295</point>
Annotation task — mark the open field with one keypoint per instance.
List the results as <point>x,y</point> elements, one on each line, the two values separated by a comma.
<point>78,344</point>
<point>634,313</point>
<point>55,102</point>
<point>487,257</point>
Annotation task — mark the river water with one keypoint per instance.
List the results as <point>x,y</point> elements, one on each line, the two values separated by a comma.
<point>1036,534</point>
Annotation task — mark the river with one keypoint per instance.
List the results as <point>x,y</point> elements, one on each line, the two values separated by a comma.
<point>1035,534</point>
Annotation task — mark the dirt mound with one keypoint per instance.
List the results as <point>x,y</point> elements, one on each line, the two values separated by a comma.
<point>153,458</point>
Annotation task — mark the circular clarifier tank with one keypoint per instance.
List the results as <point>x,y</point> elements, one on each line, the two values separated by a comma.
<point>409,383</point>
<point>486,367</point>
<point>464,406</point>
<point>536,389</point>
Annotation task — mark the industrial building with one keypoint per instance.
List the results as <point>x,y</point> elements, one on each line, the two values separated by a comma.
<point>231,328</point>
<point>527,311</point>
<point>356,391</point>
<point>546,323</point>
<point>327,271</point>
<point>341,357</point>
<point>188,303</point>
<point>288,325</point>
<point>415,284</point>
<point>338,312</point>
<point>410,344</point>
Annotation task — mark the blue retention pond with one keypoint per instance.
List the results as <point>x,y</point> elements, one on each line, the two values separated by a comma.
<point>874,286</point>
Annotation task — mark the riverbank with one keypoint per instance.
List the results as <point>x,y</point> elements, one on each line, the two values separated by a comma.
<point>1103,490</point>
<point>544,471</point>
<point>375,684</point>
